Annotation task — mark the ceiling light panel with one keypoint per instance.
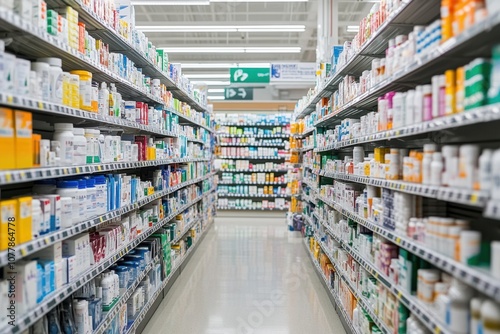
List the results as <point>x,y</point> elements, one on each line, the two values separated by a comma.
<point>232,49</point>
<point>208,76</point>
<point>222,65</point>
<point>246,28</point>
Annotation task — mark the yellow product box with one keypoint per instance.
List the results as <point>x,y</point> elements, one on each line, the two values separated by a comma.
<point>24,139</point>
<point>7,140</point>
<point>24,222</point>
<point>8,215</point>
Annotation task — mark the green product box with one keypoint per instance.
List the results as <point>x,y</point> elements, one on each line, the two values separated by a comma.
<point>162,59</point>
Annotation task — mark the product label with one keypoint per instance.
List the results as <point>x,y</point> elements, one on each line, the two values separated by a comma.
<point>85,94</point>
<point>67,146</point>
<point>58,88</point>
<point>79,153</point>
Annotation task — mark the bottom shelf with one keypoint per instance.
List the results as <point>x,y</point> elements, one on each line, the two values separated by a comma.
<point>142,315</point>
<point>251,209</point>
<point>346,321</point>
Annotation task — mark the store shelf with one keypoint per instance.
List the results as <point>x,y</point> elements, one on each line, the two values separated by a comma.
<point>304,134</point>
<point>450,54</point>
<point>189,120</point>
<point>410,13</point>
<point>333,294</point>
<point>471,117</point>
<point>252,144</point>
<point>186,229</point>
<point>43,173</point>
<point>256,182</point>
<point>449,194</point>
<point>252,124</point>
<point>45,241</point>
<point>52,113</point>
<point>100,29</point>
<point>49,302</point>
<point>221,194</point>
<point>251,157</point>
<point>310,184</point>
<point>310,166</point>
<point>249,209</point>
<point>302,149</point>
<point>280,135</point>
<point>255,170</point>
<point>110,315</point>
<point>479,278</point>
<point>142,314</point>
<point>30,40</point>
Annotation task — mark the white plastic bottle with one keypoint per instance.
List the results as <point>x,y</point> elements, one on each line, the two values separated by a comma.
<point>79,147</point>
<point>476,323</point>
<point>64,135</point>
<point>43,73</point>
<point>399,101</point>
<point>91,197</point>
<point>82,199</point>
<point>458,311</point>
<point>104,99</point>
<point>66,212</point>
<point>485,169</point>
<point>490,316</point>
<point>70,189</point>
<point>56,78</point>
<point>410,107</point>
<point>495,176</point>
<point>426,168</point>
<point>107,289</point>
<point>37,218</point>
<point>418,105</point>
<point>436,169</point>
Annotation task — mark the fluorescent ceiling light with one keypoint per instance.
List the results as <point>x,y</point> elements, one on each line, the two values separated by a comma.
<point>232,49</point>
<point>211,83</point>
<point>259,0</point>
<point>208,76</point>
<point>216,90</point>
<point>170,2</point>
<point>221,97</point>
<point>243,28</point>
<point>353,28</point>
<point>223,65</point>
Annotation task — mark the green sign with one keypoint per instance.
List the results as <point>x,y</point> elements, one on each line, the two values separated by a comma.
<point>250,75</point>
<point>238,93</point>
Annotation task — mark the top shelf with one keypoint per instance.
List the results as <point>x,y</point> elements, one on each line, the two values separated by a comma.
<point>409,14</point>
<point>32,41</point>
<point>118,43</point>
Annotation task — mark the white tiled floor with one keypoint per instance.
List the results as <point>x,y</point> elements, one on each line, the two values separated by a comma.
<point>249,275</point>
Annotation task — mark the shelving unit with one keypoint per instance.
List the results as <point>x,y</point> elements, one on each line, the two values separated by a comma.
<point>253,141</point>
<point>192,192</point>
<point>327,171</point>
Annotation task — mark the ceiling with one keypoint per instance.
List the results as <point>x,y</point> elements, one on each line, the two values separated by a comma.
<point>244,14</point>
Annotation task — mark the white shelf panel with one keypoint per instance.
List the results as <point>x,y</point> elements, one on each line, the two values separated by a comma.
<point>56,297</point>
<point>456,195</point>
<point>478,278</point>
<point>471,117</point>
<point>33,174</point>
<point>47,240</point>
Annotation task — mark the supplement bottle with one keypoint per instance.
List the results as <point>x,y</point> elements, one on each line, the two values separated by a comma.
<point>64,135</point>
<point>79,147</point>
<point>56,78</point>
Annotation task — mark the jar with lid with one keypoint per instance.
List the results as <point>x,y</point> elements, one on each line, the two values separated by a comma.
<point>79,147</point>
<point>64,135</point>
<point>70,189</point>
<point>56,78</point>
<point>85,89</point>
<point>92,137</point>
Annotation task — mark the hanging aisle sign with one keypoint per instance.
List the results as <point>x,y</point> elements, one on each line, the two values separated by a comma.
<point>293,72</point>
<point>238,93</point>
<point>249,75</point>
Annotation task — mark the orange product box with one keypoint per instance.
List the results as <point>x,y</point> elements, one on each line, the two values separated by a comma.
<point>8,214</point>
<point>7,139</point>
<point>24,219</point>
<point>23,139</point>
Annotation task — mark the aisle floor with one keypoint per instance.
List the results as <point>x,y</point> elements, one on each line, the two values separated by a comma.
<point>249,276</point>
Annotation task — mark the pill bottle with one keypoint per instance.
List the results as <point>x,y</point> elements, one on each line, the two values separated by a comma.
<point>85,89</point>
<point>101,194</point>
<point>91,197</point>
<point>490,316</point>
<point>470,246</point>
<point>458,311</point>
<point>64,135</point>
<point>82,199</point>
<point>92,137</point>
<point>74,91</point>
<point>66,212</point>
<point>43,73</point>
<point>94,100</point>
<point>56,78</point>
<point>70,189</point>
<point>66,89</point>
<point>79,147</point>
